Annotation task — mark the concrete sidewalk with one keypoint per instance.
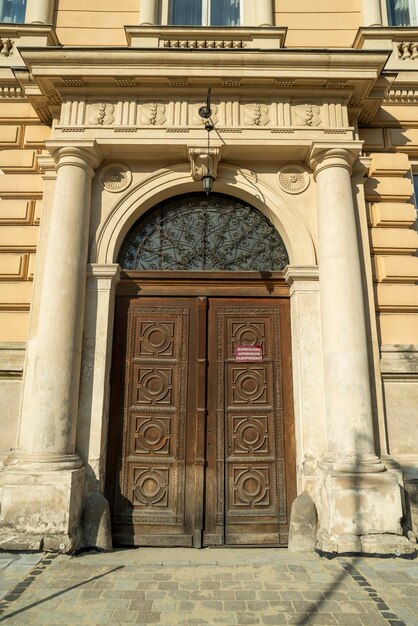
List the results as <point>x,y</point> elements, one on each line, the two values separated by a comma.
<point>182,586</point>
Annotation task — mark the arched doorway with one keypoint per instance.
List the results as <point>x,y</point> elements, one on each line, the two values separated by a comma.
<point>201,443</point>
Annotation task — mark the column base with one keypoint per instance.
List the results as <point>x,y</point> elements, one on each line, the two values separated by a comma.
<point>360,513</point>
<point>380,544</point>
<point>41,510</point>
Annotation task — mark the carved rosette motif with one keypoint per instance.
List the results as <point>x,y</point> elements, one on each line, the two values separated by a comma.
<point>152,114</point>
<point>256,115</point>
<point>116,177</point>
<point>293,179</point>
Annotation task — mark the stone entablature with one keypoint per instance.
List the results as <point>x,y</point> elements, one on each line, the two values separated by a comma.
<point>268,91</point>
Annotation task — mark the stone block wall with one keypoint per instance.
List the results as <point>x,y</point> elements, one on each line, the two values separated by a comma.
<point>393,236</point>
<point>21,188</point>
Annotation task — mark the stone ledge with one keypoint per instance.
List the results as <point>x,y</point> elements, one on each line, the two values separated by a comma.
<point>12,356</point>
<point>399,359</point>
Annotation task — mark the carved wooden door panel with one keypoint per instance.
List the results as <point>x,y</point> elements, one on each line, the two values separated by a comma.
<point>249,477</point>
<point>152,491</point>
<point>200,442</point>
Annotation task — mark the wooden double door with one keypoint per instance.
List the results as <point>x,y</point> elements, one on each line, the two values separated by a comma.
<point>201,445</point>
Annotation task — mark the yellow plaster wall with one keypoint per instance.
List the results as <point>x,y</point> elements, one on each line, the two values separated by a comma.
<point>393,243</point>
<point>324,23</point>
<point>94,23</point>
<point>21,187</point>
<point>321,24</point>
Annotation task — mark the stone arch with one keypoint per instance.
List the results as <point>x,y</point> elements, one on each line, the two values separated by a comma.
<point>231,180</point>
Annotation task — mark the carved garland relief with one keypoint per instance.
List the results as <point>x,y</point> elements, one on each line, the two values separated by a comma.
<point>179,115</point>
<point>101,114</point>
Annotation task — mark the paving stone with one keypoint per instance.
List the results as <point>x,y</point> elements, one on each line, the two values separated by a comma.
<point>148,617</point>
<point>298,618</point>
<point>235,605</point>
<point>346,618</point>
<point>352,607</point>
<point>143,605</point>
<point>215,605</point>
<point>291,595</point>
<point>131,595</point>
<point>185,605</point>
<point>248,618</point>
<point>209,587</point>
<point>255,605</point>
<point>279,605</point>
<point>279,618</point>
<point>302,606</point>
<point>372,620</point>
<point>163,606</point>
<point>322,619</point>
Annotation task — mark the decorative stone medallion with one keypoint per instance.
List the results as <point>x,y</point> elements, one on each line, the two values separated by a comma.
<point>293,178</point>
<point>116,177</point>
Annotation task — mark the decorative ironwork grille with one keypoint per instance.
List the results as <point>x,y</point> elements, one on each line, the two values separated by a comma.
<point>193,232</point>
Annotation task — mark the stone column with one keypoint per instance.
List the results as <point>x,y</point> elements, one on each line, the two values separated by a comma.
<point>43,482</point>
<point>371,12</point>
<point>148,12</point>
<point>264,13</point>
<point>358,499</point>
<point>39,12</point>
<point>344,341</point>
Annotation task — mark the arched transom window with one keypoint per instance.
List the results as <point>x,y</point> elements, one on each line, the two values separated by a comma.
<point>195,232</point>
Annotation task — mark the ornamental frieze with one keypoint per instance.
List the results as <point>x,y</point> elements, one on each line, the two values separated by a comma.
<point>180,115</point>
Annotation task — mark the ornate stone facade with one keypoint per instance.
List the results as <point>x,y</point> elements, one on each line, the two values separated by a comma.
<point>323,143</point>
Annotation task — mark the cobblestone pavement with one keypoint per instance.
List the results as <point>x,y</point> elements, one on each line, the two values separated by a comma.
<point>195,587</point>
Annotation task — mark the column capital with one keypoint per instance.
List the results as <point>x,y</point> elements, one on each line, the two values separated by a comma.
<point>102,276</point>
<point>301,273</point>
<point>323,156</point>
<point>84,155</point>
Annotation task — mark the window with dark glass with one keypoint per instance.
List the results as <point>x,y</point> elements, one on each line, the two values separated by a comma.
<point>204,12</point>
<point>12,11</point>
<point>402,12</point>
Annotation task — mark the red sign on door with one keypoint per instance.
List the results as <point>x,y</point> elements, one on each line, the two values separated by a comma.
<point>248,353</point>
